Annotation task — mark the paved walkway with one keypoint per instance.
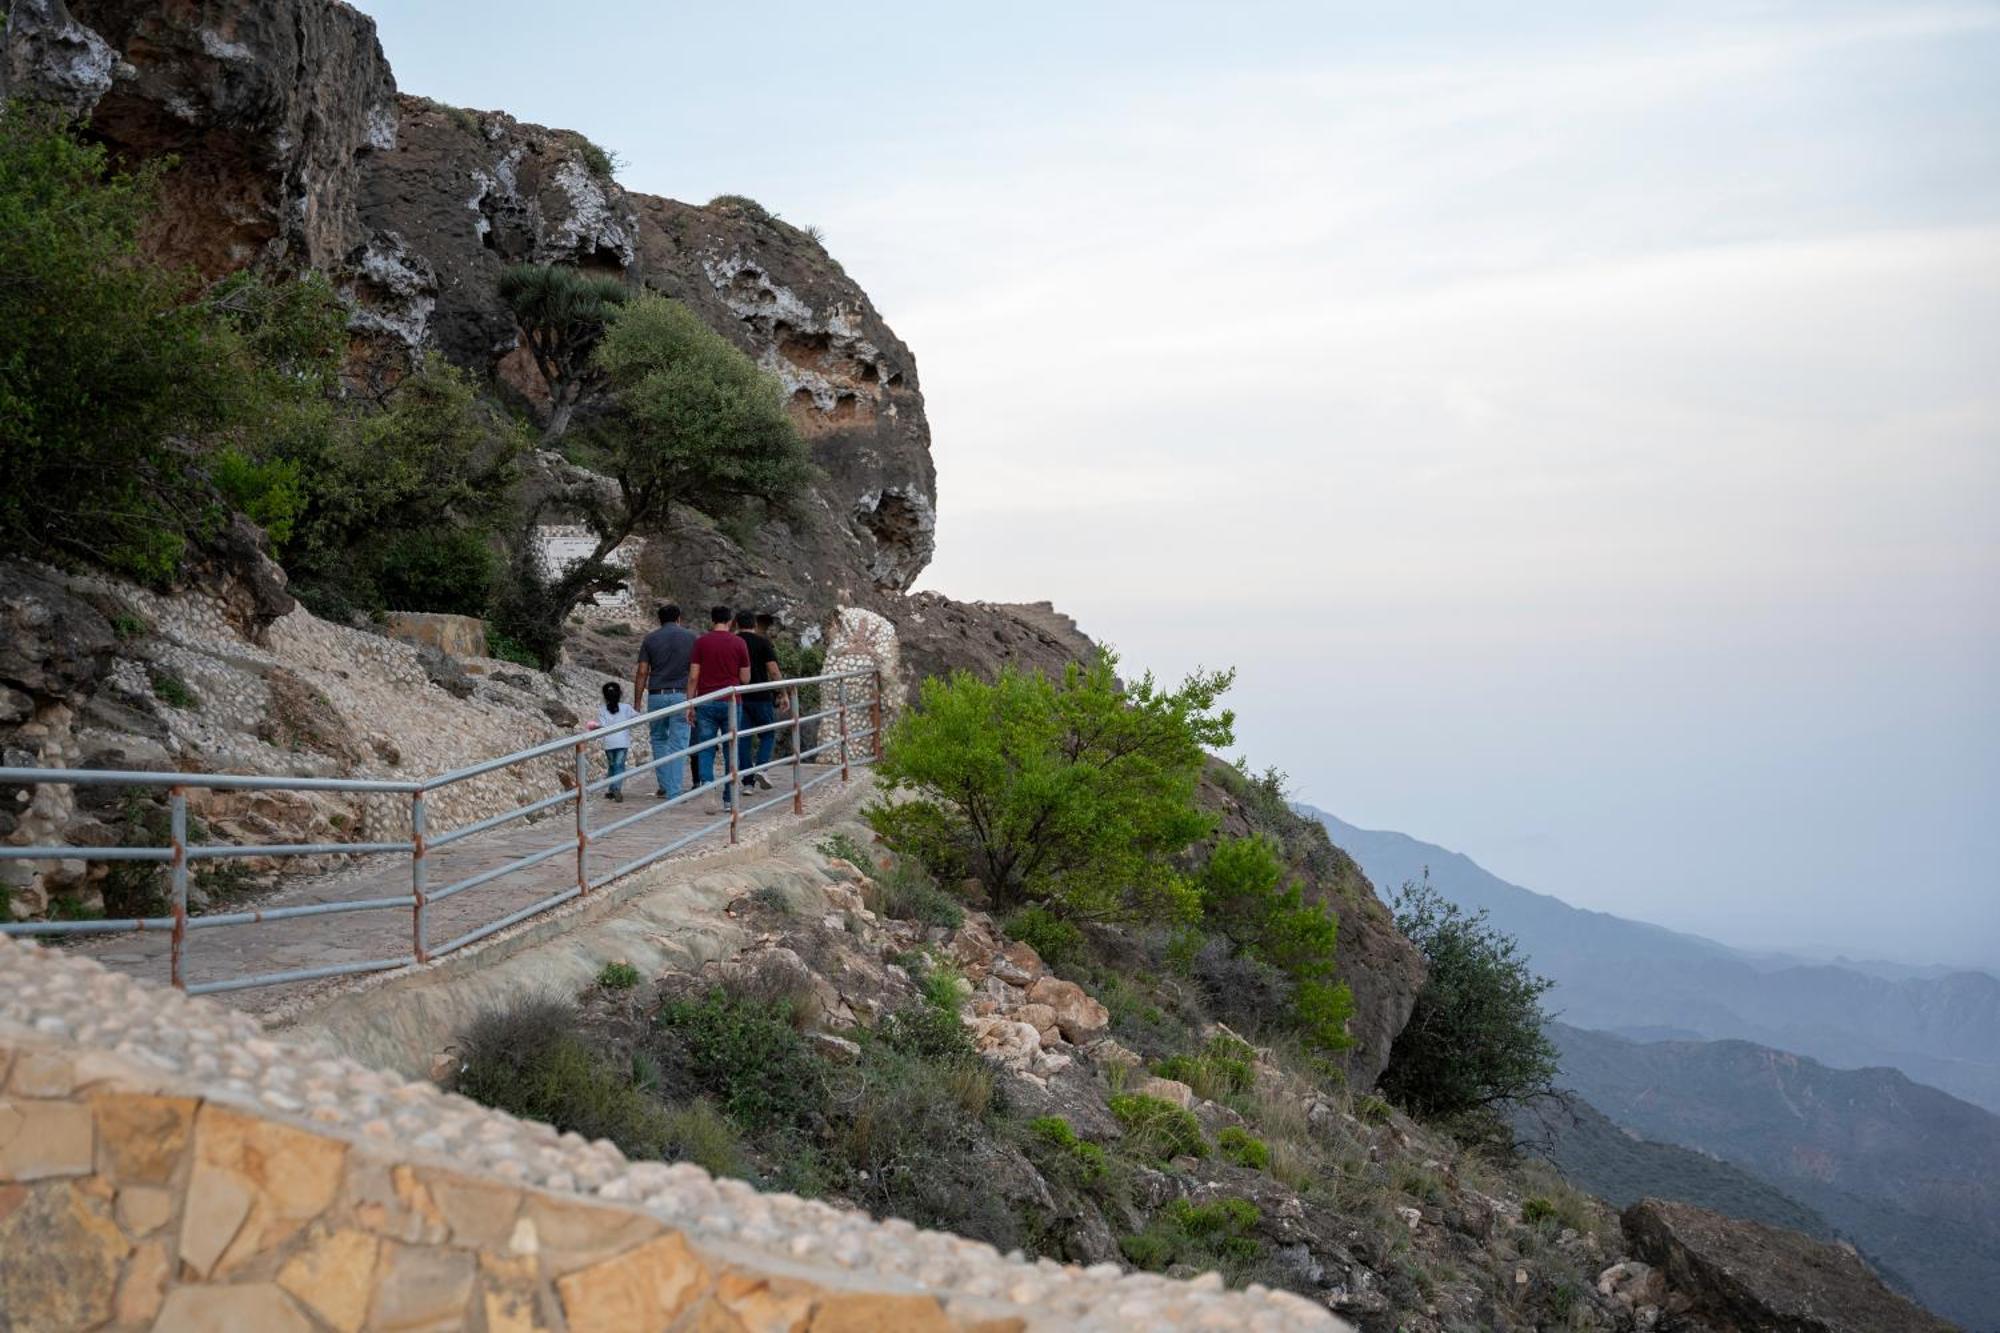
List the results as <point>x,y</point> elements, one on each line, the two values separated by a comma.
<point>299,943</point>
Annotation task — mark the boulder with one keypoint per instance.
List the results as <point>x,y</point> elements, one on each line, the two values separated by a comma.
<point>1167,1090</point>
<point>454,636</point>
<point>1732,1274</point>
<point>1005,1041</point>
<point>1079,1016</point>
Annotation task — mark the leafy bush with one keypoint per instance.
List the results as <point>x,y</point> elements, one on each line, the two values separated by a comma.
<point>506,648</point>
<point>1074,793</point>
<point>908,894</point>
<point>1537,1211</point>
<point>746,1052</point>
<point>399,506</point>
<point>618,975</point>
<point>1055,940</point>
<point>1157,1130</point>
<point>1475,1040</point>
<point>799,662</point>
<point>1246,900</point>
<point>1214,1235</point>
<point>451,571</point>
<point>927,1031</point>
<point>529,1060</point>
<point>113,386</point>
<point>1238,1146</point>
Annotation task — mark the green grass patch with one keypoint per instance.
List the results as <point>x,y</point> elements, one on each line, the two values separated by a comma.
<point>1240,1147</point>
<point>1214,1235</point>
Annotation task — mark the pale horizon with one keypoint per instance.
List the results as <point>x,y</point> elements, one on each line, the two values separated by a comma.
<point>1580,429</point>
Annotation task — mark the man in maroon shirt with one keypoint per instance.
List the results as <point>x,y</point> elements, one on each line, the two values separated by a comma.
<point>719,661</point>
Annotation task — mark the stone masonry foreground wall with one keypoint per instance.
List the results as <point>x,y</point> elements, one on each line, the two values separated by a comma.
<point>166,1164</point>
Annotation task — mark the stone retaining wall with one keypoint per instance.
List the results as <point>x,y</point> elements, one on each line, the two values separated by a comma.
<point>165,1163</point>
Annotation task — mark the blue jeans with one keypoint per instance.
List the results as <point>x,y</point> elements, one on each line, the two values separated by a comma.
<point>712,720</point>
<point>758,711</point>
<point>669,733</point>
<point>614,764</point>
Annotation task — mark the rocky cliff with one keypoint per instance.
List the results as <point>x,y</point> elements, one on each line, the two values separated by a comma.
<point>294,147</point>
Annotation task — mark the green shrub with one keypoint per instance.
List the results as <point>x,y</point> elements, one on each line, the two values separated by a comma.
<point>799,662</point>
<point>1157,1130</point>
<point>927,1031</point>
<point>743,202</point>
<point>114,386</point>
<point>1056,941</point>
<point>1076,793</point>
<point>506,648</point>
<point>450,571</point>
<point>1239,1147</point>
<point>1537,1211</point>
<point>908,894</point>
<point>602,164</point>
<point>746,1052</point>
<point>127,626</point>
<point>530,1061</point>
<point>1475,1040</point>
<point>1054,1129</point>
<point>1248,899</point>
<point>619,975</point>
<point>1219,1234</point>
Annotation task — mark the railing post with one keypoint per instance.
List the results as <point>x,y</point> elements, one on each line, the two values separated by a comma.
<point>798,786</point>
<point>733,792</point>
<point>841,685</point>
<point>582,822</point>
<point>420,877</point>
<point>177,829</point>
<point>875,718</point>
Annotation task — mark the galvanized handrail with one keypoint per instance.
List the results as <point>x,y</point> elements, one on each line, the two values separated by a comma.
<point>179,853</point>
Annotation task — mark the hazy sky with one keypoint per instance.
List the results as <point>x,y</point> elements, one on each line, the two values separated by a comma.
<point>1579,423</point>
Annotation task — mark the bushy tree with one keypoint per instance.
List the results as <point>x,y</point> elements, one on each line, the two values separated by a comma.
<point>1475,1042</point>
<point>398,505</point>
<point>563,315</point>
<point>1075,793</point>
<point>1249,900</point>
<point>111,380</point>
<point>693,422</point>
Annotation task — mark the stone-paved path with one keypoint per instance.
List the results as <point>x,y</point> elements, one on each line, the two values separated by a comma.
<point>353,937</point>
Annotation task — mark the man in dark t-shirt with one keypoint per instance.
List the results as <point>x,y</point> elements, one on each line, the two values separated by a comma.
<point>759,709</point>
<point>660,680</point>
<point>719,661</point>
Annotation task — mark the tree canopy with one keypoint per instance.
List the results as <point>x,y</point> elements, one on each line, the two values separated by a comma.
<point>1075,793</point>
<point>1474,1042</point>
<point>563,315</point>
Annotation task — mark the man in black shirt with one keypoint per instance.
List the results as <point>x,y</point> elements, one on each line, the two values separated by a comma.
<point>660,680</point>
<point>759,709</point>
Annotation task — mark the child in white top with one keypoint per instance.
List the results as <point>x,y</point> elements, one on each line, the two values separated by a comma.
<point>617,740</point>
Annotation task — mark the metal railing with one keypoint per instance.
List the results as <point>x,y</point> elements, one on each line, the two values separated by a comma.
<point>855,746</point>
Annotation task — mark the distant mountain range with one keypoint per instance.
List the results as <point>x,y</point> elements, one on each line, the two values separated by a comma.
<point>1648,982</point>
<point>1910,1174</point>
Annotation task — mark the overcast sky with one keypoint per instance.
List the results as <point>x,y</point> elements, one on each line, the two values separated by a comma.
<point>1579,424</point>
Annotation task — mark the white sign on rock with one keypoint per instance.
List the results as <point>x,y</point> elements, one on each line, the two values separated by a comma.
<point>562,546</point>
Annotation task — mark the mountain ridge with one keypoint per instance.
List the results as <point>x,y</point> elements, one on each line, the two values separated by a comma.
<point>1616,974</point>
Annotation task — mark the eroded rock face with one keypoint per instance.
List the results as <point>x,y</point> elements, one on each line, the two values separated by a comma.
<point>1735,1276</point>
<point>271,109</point>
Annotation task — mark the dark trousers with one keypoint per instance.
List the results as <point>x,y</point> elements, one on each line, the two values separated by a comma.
<point>758,711</point>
